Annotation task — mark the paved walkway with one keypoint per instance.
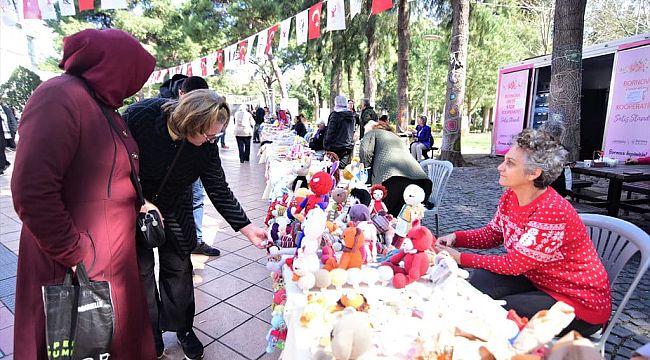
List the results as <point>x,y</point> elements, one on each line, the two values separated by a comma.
<point>233,291</point>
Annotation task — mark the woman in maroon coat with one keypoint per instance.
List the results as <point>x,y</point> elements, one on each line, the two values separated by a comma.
<point>72,190</point>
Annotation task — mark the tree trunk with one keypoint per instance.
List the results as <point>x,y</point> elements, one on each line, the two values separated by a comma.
<point>279,76</point>
<point>402,65</point>
<point>369,84</point>
<point>349,70</point>
<point>566,71</point>
<point>336,76</point>
<point>456,84</point>
<point>486,119</point>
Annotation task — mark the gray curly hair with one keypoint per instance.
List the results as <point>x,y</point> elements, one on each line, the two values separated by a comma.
<point>543,152</point>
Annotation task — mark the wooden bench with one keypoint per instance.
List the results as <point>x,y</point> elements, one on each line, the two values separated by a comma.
<point>576,186</point>
<point>642,187</point>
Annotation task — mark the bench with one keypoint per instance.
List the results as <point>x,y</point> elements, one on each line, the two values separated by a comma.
<point>642,187</point>
<point>576,186</point>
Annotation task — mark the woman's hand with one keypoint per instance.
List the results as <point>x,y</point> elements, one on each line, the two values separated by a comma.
<point>148,206</point>
<point>256,235</point>
<point>455,254</point>
<point>447,240</point>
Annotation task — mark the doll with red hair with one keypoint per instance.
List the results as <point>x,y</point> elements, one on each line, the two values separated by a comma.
<point>378,193</point>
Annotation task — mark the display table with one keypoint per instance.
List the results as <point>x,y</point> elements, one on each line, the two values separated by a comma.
<point>413,320</point>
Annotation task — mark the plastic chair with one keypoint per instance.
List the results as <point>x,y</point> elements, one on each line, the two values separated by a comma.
<point>438,172</point>
<point>616,241</point>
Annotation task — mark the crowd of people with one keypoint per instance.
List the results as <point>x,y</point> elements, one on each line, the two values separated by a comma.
<point>74,190</point>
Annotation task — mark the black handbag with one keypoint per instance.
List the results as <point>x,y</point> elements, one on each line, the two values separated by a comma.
<point>78,318</point>
<point>150,232</point>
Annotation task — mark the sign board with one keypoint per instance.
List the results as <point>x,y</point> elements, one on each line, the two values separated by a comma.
<point>512,91</point>
<point>628,118</point>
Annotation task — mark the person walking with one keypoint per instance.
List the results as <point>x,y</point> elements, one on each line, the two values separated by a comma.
<point>198,192</point>
<point>244,124</point>
<point>72,189</point>
<point>259,120</point>
<point>178,138</point>
<point>339,137</point>
<point>9,125</point>
<point>367,114</point>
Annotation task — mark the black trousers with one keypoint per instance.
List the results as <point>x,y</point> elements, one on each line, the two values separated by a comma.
<point>344,156</point>
<point>523,297</point>
<point>171,308</point>
<point>256,133</point>
<point>3,158</point>
<point>244,145</point>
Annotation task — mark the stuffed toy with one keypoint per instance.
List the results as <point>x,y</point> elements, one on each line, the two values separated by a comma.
<point>378,193</point>
<point>411,211</point>
<point>277,334</point>
<point>328,258</point>
<point>301,169</point>
<point>416,262</point>
<point>360,217</point>
<point>360,196</point>
<point>277,208</point>
<point>351,336</point>
<point>353,241</point>
<point>444,273</point>
<point>329,159</point>
<point>320,185</point>
<point>339,197</point>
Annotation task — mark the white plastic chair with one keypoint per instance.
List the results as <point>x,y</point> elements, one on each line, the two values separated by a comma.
<point>438,172</point>
<point>616,241</point>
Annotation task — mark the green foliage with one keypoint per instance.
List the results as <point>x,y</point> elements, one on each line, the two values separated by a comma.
<point>19,88</point>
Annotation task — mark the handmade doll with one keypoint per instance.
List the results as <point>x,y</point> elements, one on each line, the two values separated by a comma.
<point>378,193</point>
<point>339,197</point>
<point>320,184</point>
<point>360,217</point>
<point>411,211</point>
<point>301,169</point>
<point>416,261</point>
<point>353,241</point>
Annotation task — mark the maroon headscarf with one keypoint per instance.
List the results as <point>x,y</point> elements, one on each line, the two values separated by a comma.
<point>113,63</point>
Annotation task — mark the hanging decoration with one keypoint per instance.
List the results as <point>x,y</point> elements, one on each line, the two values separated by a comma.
<point>314,20</point>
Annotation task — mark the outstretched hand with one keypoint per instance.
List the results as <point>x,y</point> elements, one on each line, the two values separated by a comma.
<point>256,235</point>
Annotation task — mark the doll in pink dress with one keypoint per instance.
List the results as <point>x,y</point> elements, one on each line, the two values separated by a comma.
<point>378,193</point>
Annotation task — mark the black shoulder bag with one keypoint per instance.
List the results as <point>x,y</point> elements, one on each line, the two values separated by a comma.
<point>149,229</point>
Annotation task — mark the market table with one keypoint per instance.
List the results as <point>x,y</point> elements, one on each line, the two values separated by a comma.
<point>617,175</point>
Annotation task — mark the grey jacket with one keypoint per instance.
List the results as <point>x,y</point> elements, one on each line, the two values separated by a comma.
<point>387,156</point>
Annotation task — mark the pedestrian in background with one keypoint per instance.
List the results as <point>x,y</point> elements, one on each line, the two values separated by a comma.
<point>244,125</point>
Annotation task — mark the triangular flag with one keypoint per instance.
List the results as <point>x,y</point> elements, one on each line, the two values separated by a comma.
<point>242,52</point>
<point>204,66</point>
<point>67,8</point>
<point>220,61</point>
<point>47,9</point>
<point>269,40</point>
<point>261,43</point>
<point>86,5</point>
<point>314,20</point>
<point>114,4</point>
<point>381,5</point>
<point>301,27</point>
<point>285,28</point>
<point>335,15</point>
<point>355,8</point>
<point>31,9</point>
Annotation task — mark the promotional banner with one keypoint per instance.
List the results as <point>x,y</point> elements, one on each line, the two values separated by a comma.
<point>511,107</point>
<point>47,9</point>
<point>628,118</point>
<point>335,15</point>
<point>301,27</point>
<point>67,8</point>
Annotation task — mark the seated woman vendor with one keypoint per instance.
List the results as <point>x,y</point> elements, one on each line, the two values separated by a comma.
<point>549,255</point>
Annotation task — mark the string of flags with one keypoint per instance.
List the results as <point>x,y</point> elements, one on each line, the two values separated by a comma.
<point>307,27</point>
<point>45,10</point>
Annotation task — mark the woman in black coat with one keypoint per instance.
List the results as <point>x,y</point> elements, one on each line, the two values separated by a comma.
<point>299,125</point>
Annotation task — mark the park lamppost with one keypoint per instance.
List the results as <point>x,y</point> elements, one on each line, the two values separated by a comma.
<point>428,37</point>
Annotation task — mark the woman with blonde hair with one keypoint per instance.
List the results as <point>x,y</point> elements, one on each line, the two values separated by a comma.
<point>177,147</point>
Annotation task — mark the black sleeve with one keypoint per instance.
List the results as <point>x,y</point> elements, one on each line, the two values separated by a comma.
<point>332,131</point>
<point>214,182</point>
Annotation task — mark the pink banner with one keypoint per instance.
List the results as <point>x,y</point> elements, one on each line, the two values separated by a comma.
<point>628,119</point>
<point>511,108</point>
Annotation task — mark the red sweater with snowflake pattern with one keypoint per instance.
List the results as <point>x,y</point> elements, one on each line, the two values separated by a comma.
<point>547,242</point>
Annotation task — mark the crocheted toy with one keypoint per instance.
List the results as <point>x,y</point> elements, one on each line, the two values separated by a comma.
<point>360,217</point>
<point>277,334</point>
<point>351,336</point>
<point>353,241</point>
<point>378,193</point>
<point>411,211</point>
<point>339,196</point>
<point>301,169</point>
<point>320,184</point>
<point>416,262</point>
<point>277,208</point>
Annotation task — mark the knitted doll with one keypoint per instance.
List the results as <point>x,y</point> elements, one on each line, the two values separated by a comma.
<point>320,184</point>
<point>353,240</point>
<point>416,261</point>
<point>378,193</point>
<point>411,211</point>
<point>301,169</point>
<point>360,217</point>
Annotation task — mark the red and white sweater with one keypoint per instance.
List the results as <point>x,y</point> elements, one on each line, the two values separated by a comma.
<point>547,242</point>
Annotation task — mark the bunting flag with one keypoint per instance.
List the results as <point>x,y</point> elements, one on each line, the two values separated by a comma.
<point>301,27</point>
<point>249,47</point>
<point>285,28</point>
<point>269,41</point>
<point>178,70</point>
<point>47,9</point>
<point>381,5</point>
<point>9,12</point>
<point>335,15</point>
<point>242,52</point>
<point>204,66</point>
<point>114,4</point>
<point>86,5</point>
<point>355,8</point>
<point>220,61</point>
<point>189,71</point>
<point>261,44</point>
<point>314,20</point>
<point>67,8</point>
<point>31,9</point>
<point>232,56</point>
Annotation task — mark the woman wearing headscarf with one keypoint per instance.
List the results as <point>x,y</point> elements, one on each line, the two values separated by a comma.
<point>72,189</point>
